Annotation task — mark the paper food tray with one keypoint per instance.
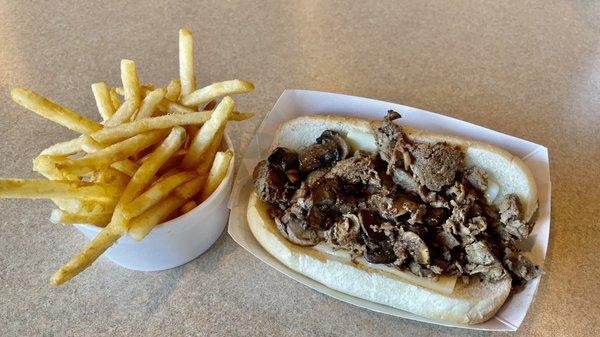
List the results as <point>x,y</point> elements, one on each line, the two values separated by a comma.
<point>295,103</point>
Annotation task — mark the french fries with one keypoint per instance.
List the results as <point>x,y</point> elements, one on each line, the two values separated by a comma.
<point>64,148</point>
<point>216,90</point>
<point>52,111</point>
<point>150,103</point>
<point>46,189</point>
<point>208,131</point>
<point>145,174</point>
<point>113,153</point>
<point>153,157</point>
<point>173,90</point>
<point>125,130</point>
<point>156,193</point>
<point>103,102</point>
<point>59,216</point>
<point>123,114</point>
<point>186,62</point>
<point>131,83</point>
<point>217,173</point>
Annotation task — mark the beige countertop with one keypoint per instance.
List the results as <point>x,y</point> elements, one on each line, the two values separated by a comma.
<point>527,68</point>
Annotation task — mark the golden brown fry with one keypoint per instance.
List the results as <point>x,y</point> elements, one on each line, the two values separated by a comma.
<point>47,166</point>
<point>173,90</point>
<point>125,130</point>
<point>188,206</point>
<point>131,83</point>
<point>84,206</point>
<point>113,176</point>
<point>144,175</point>
<point>143,224</point>
<point>208,131</point>
<point>150,103</point>
<point>217,173</point>
<point>46,189</point>
<point>59,216</point>
<point>114,99</point>
<point>156,193</point>
<point>123,115</point>
<point>64,148</point>
<point>186,62</point>
<point>113,153</point>
<point>216,90</point>
<point>103,102</point>
<point>90,253</point>
<point>209,156</point>
<point>189,189</point>
<point>126,166</point>
<point>176,108</point>
<point>53,111</point>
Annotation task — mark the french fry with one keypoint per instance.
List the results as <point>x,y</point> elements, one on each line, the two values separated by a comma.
<point>156,193</point>
<point>143,224</point>
<point>150,103</point>
<point>216,90</point>
<point>209,156</point>
<point>114,99</point>
<point>113,176</point>
<point>123,115</point>
<point>203,138</point>
<point>72,205</point>
<point>125,130</point>
<point>46,166</point>
<point>144,175</point>
<point>188,206</point>
<point>103,102</point>
<point>189,189</point>
<point>53,111</point>
<point>125,166</point>
<point>217,173</point>
<point>173,90</point>
<point>47,189</point>
<point>186,62</point>
<point>144,89</point>
<point>90,253</point>
<point>113,153</point>
<point>59,216</point>
<point>64,148</point>
<point>131,83</point>
<point>176,108</point>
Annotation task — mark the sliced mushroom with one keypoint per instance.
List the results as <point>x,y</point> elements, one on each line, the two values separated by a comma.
<point>334,136</point>
<point>382,252</point>
<point>330,147</point>
<point>317,155</point>
<point>284,158</point>
<point>302,237</point>
<point>416,247</point>
<point>318,219</point>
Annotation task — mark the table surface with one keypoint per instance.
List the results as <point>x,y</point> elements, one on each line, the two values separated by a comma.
<point>526,68</point>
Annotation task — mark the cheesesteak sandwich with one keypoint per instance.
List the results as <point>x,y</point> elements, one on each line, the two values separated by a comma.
<point>421,222</point>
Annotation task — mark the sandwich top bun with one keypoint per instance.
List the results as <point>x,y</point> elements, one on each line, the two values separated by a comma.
<point>469,303</point>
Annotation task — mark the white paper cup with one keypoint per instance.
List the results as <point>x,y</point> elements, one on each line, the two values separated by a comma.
<point>177,241</point>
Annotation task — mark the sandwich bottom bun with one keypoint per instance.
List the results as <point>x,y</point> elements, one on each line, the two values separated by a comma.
<point>468,304</point>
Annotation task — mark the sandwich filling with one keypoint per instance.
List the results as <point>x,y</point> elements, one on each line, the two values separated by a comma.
<point>409,205</point>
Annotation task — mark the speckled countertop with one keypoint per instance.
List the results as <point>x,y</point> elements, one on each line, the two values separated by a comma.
<point>526,68</point>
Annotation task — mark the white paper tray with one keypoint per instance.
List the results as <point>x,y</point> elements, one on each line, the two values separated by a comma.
<point>294,103</point>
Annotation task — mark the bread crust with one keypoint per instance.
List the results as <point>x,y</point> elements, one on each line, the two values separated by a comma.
<point>468,304</point>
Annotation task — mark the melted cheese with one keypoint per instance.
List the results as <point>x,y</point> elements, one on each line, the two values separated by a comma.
<point>361,141</point>
<point>444,284</point>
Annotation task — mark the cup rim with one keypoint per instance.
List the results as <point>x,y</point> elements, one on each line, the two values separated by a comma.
<point>199,208</point>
